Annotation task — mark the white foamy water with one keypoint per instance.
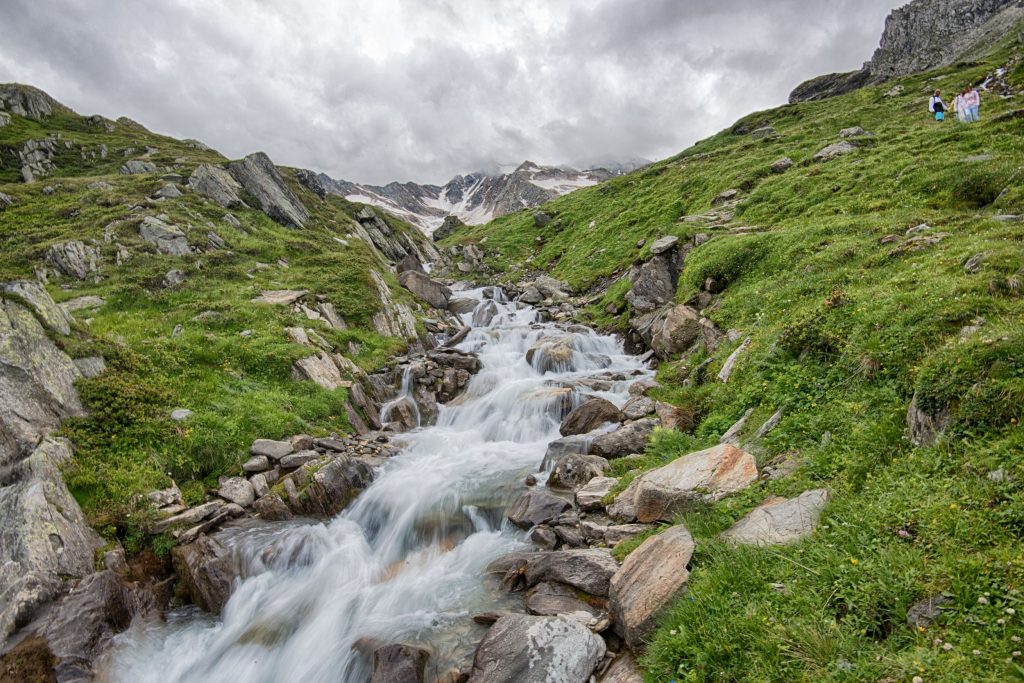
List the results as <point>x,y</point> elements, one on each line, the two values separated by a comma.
<point>405,562</point>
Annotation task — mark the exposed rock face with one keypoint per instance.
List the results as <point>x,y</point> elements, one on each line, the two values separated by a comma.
<point>138,167</point>
<point>166,238</point>
<point>626,440</point>
<point>27,101</point>
<point>702,477</point>
<point>207,571</point>
<point>448,226</point>
<point>74,258</point>
<point>423,287</point>
<point>216,184</point>
<point>260,178</point>
<point>393,244</point>
<point>394,319</point>
<point>529,649</point>
<point>778,521</point>
<point>675,329</point>
<point>654,282</point>
<point>922,35</point>
<point>44,538</point>
<point>648,579</point>
<point>588,416</point>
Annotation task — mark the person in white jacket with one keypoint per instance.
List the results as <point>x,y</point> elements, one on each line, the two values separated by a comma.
<point>937,106</point>
<point>959,107</point>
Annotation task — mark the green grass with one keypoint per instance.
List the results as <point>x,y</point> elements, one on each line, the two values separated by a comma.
<point>240,388</point>
<point>845,329</point>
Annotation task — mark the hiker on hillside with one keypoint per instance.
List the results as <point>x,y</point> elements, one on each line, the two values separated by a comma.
<point>960,107</point>
<point>937,106</point>
<point>972,99</point>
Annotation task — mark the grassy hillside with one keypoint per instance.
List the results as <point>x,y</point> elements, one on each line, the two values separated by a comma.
<point>846,326</point>
<point>238,386</point>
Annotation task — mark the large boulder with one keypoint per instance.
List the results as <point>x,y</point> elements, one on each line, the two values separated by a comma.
<point>166,238</point>
<point>138,167</point>
<point>591,495</point>
<point>33,295</point>
<point>694,479</point>
<point>654,282</point>
<point>647,581</point>
<point>24,100</point>
<point>552,354</point>
<point>551,288</point>
<point>575,470</point>
<point>216,184</point>
<point>674,329</point>
<point>332,486</point>
<point>535,507</point>
<point>626,440</point>
<point>778,521</point>
<point>44,538</point>
<point>74,258</point>
<point>207,571</point>
<point>834,151</point>
<point>588,569</point>
<point>528,649</point>
<point>588,416</point>
<point>425,288</point>
<point>554,599</point>
<point>259,177</point>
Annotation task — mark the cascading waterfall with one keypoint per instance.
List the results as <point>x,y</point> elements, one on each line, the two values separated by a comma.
<point>404,397</point>
<point>405,562</point>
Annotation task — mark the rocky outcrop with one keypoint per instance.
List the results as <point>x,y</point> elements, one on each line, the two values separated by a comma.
<point>528,649</point>
<point>778,521</point>
<point>259,177</point>
<point>24,100</point>
<point>698,478</point>
<point>393,319</point>
<point>44,539</point>
<point>165,237</point>
<point>394,245</point>
<point>654,282</point>
<point>647,581</point>
<point>75,259</point>
<point>424,288</point>
<point>922,35</point>
<point>138,167</point>
<point>216,184</point>
<point>588,416</point>
<point>675,329</point>
<point>207,572</point>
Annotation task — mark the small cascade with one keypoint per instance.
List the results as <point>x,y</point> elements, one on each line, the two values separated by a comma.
<point>405,562</point>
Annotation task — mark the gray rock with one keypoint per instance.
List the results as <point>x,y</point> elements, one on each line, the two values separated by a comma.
<point>531,295</point>
<point>637,407</point>
<point>730,363</point>
<point>461,306</point>
<point>694,479</point>
<point>854,132</point>
<point>81,303</point>
<point>975,263</point>
<point>331,487</point>
<point>236,490</point>
<point>834,151</point>
<point>544,538</point>
<point>260,486</point>
<point>44,538</point>
<point>37,299</point>
<point>926,428</point>
<point>5,201</point>
<point>564,446</point>
<point>536,507</point>
<point>299,459</point>
<point>426,289</point>
<point>654,282</point>
<point>589,570</point>
<point>168,191</point>
<point>782,165</point>
<point>173,278</point>
<point>591,496</point>
<point>540,219</point>
<point>551,354</point>
<point>626,440</point>
<point>554,600</point>
<point>260,178</point>
<point>75,259</point>
<point>485,314</point>
<point>618,533</point>
<point>91,366</point>
<point>647,581</point>
<point>24,100</point>
<point>167,238</point>
<point>764,133</point>
<point>528,649</point>
<point>588,416</point>
<point>664,244</point>
<point>5,119</point>
<point>137,166</point>
<point>399,663</point>
<point>574,471</point>
<point>207,572</point>
<point>279,297</point>
<point>623,670</point>
<point>217,185</point>
<point>674,329</point>
<point>257,463</point>
<point>778,521</point>
<point>180,414</point>
<point>923,614</point>
<point>673,417</point>
<point>551,288</point>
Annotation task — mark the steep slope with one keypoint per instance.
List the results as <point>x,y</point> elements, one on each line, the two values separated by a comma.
<point>849,312</point>
<point>163,252</point>
<point>475,198</point>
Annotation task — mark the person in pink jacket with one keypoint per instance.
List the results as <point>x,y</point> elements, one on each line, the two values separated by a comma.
<point>972,102</point>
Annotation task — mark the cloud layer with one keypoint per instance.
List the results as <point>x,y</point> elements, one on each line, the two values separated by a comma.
<point>381,90</point>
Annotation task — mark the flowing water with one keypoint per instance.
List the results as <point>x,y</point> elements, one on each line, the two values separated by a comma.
<point>405,562</point>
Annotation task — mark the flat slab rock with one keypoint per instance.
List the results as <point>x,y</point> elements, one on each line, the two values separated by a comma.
<point>778,521</point>
<point>280,297</point>
<point>529,649</point>
<point>647,581</point>
<point>536,507</point>
<point>697,478</point>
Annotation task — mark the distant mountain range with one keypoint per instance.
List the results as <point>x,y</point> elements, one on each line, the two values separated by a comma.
<point>474,198</point>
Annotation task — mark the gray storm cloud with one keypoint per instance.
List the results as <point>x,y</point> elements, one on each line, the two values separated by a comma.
<point>381,90</point>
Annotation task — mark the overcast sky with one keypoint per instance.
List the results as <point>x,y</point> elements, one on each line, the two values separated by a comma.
<point>381,90</point>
